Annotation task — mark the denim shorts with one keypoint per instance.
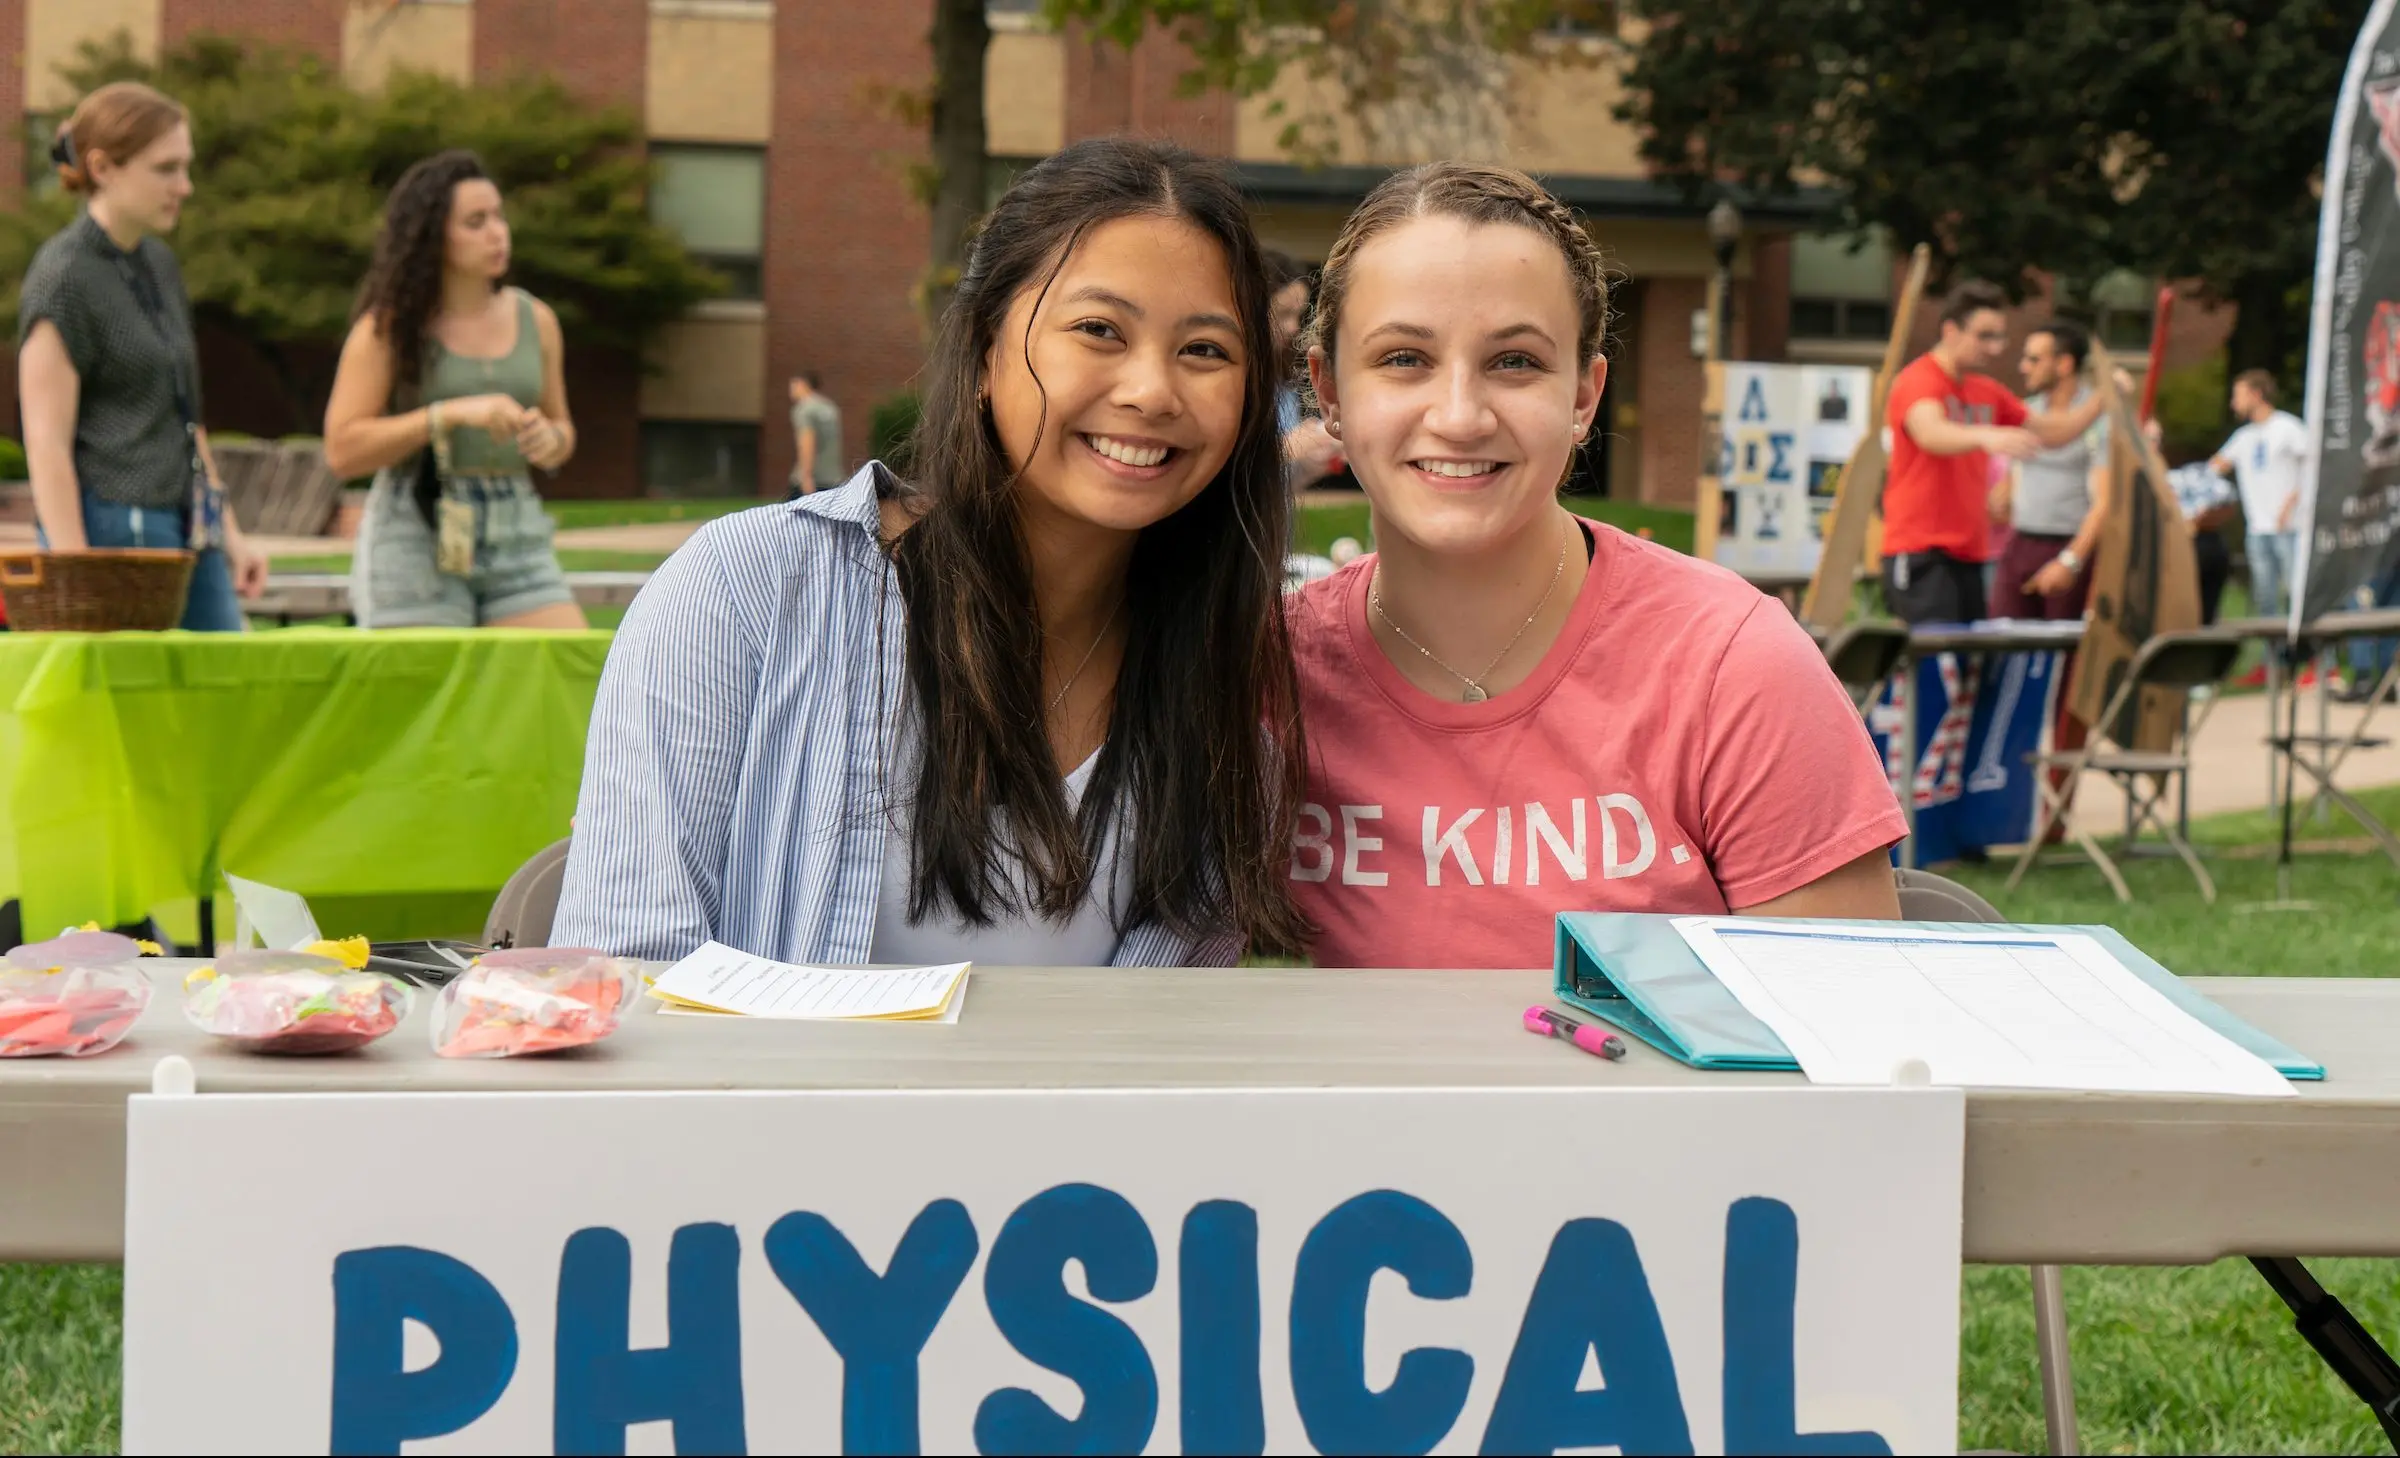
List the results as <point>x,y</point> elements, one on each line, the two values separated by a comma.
<point>395,581</point>
<point>210,606</point>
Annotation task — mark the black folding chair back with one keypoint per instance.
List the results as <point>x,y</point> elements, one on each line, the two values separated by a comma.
<point>2179,662</point>
<point>1864,655</point>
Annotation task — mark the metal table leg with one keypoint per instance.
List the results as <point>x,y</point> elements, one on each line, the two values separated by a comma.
<point>1908,750</point>
<point>2056,1363</point>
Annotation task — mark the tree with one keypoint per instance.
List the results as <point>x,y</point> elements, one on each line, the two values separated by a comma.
<point>1383,66</point>
<point>291,170</point>
<point>2181,138</point>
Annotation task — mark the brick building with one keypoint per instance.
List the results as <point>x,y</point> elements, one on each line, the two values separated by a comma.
<point>777,163</point>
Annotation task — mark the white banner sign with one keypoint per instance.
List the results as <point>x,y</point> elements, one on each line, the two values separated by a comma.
<point>1783,436</point>
<point>1396,1271</point>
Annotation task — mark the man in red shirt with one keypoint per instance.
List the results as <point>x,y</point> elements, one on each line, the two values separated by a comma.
<point>1948,419</point>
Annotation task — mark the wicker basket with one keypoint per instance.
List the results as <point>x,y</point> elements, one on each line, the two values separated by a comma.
<point>100,591</point>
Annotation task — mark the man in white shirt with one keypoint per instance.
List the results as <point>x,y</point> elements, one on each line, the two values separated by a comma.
<point>2265,457</point>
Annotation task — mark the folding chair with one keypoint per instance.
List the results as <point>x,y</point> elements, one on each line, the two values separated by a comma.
<point>1864,655</point>
<point>522,912</point>
<point>1928,897</point>
<point>2179,661</point>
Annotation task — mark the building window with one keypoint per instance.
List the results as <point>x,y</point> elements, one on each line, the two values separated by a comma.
<point>714,199</point>
<point>699,458</point>
<point>1841,287</point>
<point>41,174</point>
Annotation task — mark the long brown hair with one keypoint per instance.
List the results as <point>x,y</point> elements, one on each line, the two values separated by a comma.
<point>403,287</point>
<point>1201,771</point>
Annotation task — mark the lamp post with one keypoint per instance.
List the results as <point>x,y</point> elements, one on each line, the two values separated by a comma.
<point>1725,235</point>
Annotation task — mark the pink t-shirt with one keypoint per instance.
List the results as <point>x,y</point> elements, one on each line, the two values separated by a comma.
<point>1683,747</point>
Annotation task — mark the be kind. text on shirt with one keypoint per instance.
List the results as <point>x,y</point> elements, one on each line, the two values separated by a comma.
<point>1504,844</point>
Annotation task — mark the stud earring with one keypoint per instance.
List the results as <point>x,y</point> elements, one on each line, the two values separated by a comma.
<point>1334,429</point>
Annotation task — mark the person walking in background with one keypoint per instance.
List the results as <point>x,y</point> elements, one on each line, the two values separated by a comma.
<point>1949,417</point>
<point>451,385</point>
<point>108,374</point>
<point>1310,454</point>
<point>2055,500</point>
<point>2265,456</point>
<point>2371,658</point>
<point>817,435</point>
<point>2208,502</point>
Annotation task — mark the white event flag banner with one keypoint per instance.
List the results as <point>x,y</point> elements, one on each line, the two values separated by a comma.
<point>1023,1271</point>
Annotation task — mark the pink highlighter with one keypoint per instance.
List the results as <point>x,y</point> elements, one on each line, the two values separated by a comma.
<point>1558,1025</point>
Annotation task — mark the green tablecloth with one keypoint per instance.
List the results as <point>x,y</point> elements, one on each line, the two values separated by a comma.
<point>137,767</point>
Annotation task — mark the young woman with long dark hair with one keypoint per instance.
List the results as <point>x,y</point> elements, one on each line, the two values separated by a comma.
<point>1512,711</point>
<point>1033,704</point>
<point>107,371</point>
<point>452,385</point>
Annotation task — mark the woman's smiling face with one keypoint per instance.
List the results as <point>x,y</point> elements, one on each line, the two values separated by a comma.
<point>1456,380</point>
<point>1117,390</point>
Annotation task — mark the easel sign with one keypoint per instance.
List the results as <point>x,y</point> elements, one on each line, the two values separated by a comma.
<point>1776,437</point>
<point>1021,1271</point>
<point>2145,576</point>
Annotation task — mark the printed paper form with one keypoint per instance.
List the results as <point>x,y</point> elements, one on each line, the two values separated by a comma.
<point>2012,1009</point>
<point>718,979</point>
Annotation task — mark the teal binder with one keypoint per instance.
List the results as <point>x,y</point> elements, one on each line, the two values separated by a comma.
<point>1637,972</point>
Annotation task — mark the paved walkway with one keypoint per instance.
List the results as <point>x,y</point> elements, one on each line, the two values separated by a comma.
<point>2230,762</point>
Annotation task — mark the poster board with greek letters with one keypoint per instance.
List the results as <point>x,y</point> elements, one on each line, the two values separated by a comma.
<point>1777,439</point>
<point>1028,1271</point>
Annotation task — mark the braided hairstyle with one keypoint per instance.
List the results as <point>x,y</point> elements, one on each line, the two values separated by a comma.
<point>1477,194</point>
<point>403,287</point>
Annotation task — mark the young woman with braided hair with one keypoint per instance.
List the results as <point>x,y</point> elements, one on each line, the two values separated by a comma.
<point>1512,711</point>
<point>452,385</point>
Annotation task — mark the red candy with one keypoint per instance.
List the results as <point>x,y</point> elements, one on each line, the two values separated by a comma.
<point>533,1000</point>
<point>292,1002</point>
<point>74,1011</point>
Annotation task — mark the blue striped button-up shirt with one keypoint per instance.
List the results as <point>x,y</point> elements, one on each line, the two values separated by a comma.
<point>734,781</point>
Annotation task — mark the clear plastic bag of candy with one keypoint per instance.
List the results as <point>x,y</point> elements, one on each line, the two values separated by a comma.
<point>73,996</point>
<point>531,1000</point>
<point>293,1002</point>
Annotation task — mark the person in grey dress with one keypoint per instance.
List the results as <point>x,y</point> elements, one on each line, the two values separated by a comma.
<point>108,374</point>
<point>447,360</point>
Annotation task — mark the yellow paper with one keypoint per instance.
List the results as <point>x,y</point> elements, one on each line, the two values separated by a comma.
<point>719,979</point>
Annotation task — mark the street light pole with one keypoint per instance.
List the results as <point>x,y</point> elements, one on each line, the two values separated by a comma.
<point>1725,234</point>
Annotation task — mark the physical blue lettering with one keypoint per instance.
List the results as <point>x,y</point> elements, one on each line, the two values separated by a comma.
<point>878,1324</point>
<point>1592,1296</point>
<point>377,1403</point>
<point>1025,1290</point>
<point>1217,1297</point>
<point>1762,1273</point>
<point>1389,1231</point>
<point>694,1381</point>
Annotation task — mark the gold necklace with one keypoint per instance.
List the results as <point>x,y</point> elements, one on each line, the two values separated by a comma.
<point>1476,693</point>
<point>1087,656</point>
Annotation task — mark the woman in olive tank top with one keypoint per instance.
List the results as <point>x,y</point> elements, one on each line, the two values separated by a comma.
<point>451,386</point>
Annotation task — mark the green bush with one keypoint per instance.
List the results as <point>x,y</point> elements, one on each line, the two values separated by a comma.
<point>892,422</point>
<point>2192,410</point>
<point>12,460</point>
